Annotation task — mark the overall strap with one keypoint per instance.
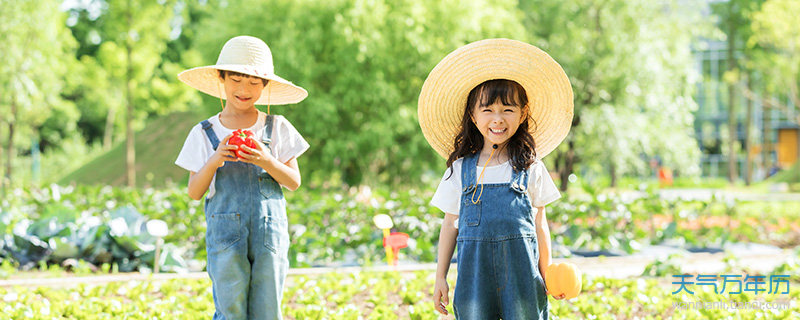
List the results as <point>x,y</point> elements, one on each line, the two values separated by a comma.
<point>519,180</point>
<point>266,138</point>
<point>210,133</point>
<point>468,167</point>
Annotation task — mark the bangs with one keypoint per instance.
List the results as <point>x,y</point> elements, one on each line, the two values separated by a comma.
<point>224,73</point>
<point>509,93</point>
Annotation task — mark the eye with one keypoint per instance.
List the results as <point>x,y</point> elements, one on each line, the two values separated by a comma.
<point>509,110</point>
<point>254,83</point>
<point>236,80</point>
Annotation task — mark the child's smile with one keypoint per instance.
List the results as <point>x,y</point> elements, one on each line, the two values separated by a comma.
<point>497,122</point>
<point>243,90</point>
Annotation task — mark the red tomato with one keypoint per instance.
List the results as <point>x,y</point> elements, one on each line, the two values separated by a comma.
<point>242,137</point>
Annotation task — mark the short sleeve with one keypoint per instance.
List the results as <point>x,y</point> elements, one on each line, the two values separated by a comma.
<point>448,194</point>
<point>543,190</point>
<point>193,155</point>
<point>288,142</point>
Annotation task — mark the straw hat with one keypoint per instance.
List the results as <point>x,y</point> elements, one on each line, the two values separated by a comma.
<point>247,55</point>
<point>444,93</point>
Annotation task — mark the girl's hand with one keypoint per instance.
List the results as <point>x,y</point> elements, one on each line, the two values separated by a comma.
<point>258,156</point>
<point>440,296</point>
<point>224,152</point>
<point>558,297</point>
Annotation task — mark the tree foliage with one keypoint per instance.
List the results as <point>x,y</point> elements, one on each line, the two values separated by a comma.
<point>35,61</point>
<point>631,71</point>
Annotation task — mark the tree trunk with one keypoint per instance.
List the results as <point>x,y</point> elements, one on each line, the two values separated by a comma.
<point>613,173</point>
<point>130,159</point>
<point>748,175</point>
<point>732,176</point>
<point>10,143</point>
<point>569,161</point>
<point>767,136</point>
<point>108,133</point>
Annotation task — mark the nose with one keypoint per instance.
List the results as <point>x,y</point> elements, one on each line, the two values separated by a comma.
<point>497,118</point>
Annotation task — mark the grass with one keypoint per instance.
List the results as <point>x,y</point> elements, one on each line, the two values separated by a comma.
<point>157,147</point>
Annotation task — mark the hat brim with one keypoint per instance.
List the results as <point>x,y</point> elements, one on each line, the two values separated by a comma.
<point>277,91</point>
<point>444,94</point>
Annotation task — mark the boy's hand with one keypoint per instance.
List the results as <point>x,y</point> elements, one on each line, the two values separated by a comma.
<point>440,296</point>
<point>258,156</point>
<point>225,152</point>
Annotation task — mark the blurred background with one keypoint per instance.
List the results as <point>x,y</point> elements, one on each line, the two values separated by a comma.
<point>704,88</point>
<point>684,142</point>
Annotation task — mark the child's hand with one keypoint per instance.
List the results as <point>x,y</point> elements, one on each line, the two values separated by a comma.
<point>225,152</point>
<point>258,156</point>
<point>558,297</point>
<point>440,296</point>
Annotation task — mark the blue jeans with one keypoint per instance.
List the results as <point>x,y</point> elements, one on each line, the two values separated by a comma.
<point>247,242</point>
<point>498,253</point>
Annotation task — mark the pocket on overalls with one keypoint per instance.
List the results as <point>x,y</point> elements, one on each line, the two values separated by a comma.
<point>471,213</point>
<point>273,235</point>
<point>267,185</point>
<point>222,230</point>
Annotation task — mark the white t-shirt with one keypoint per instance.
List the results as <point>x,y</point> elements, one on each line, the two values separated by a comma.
<point>541,187</point>
<point>286,144</point>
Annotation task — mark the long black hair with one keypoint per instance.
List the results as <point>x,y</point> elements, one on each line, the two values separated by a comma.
<point>521,147</point>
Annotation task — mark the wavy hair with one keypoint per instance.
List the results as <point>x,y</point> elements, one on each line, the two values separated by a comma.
<point>521,146</point>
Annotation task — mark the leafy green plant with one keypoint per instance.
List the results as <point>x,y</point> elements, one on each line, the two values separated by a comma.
<point>669,265</point>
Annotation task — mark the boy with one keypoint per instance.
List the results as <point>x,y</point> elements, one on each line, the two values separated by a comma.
<point>247,238</point>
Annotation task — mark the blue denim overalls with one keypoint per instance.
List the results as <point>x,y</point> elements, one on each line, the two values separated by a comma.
<point>498,255</point>
<point>247,238</point>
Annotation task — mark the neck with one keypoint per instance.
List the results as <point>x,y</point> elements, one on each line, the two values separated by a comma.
<point>500,155</point>
<point>236,112</point>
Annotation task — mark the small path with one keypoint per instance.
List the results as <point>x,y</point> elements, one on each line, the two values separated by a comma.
<point>706,194</point>
<point>611,267</point>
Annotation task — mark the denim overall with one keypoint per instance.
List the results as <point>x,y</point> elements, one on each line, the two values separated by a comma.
<point>247,239</point>
<point>498,255</point>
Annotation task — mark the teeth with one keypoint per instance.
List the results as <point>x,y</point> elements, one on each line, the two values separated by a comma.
<point>497,130</point>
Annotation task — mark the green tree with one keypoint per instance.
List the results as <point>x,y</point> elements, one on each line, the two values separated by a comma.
<point>363,63</point>
<point>37,52</point>
<point>630,67</point>
<point>124,43</point>
<point>775,28</point>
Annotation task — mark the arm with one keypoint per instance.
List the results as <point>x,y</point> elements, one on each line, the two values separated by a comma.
<point>200,180</point>
<point>543,235</point>
<point>447,244</point>
<point>287,174</point>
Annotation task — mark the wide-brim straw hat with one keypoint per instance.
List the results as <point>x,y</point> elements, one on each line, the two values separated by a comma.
<point>444,93</point>
<point>247,55</point>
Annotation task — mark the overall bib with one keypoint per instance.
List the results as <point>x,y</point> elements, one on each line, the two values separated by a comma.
<point>247,238</point>
<point>498,255</point>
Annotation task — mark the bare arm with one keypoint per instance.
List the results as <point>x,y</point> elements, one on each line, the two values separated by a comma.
<point>199,181</point>
<point>447,244</point>
<point>543,237</point>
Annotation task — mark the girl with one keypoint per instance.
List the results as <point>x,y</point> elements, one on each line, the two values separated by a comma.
<point>494,108</point>
<point>247,238</point>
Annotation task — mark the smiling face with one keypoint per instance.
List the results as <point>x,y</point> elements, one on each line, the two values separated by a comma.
<point>497,114</point>
<point>497,122</point>
<point>242,91</point>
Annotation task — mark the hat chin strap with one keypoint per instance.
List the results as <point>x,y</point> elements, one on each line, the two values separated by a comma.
<point>494,147</point>
<point>268,96</point>
<point>219,87</point>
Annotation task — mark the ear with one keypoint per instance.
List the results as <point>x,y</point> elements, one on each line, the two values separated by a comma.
<point>526,112</point>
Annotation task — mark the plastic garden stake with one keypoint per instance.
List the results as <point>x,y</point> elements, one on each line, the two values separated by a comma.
<point>384,222</point>
<point>158,229</point>
<point>396,241</point>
